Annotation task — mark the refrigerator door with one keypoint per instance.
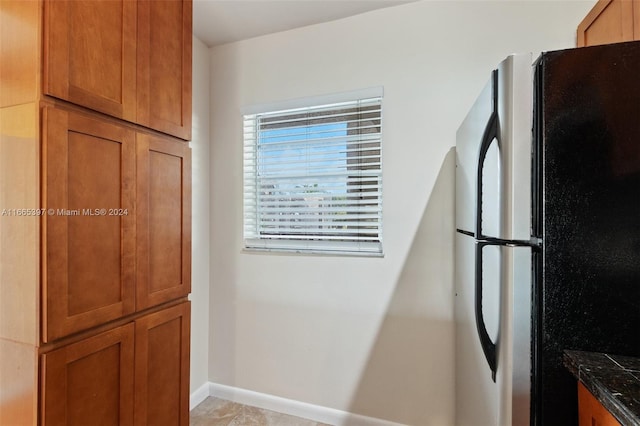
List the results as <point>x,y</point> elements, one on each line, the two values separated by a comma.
<point>479,400</point>
<point>493,273</point>
<point>476,393</point>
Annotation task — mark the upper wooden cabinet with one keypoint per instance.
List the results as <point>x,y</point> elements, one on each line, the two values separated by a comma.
<point>164,66</point>
<point>127,59</point>
<point>610,21</point>
<point>90,54</point>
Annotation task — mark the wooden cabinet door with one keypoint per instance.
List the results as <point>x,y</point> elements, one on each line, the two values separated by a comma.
<point>90,382</point>
<point>591,412</point>
<point>164,66</point>
<point>88,192</point>
<point>162,367</point>
<point>610,21</point>
<point>90,54</point>
<point>163,220</point>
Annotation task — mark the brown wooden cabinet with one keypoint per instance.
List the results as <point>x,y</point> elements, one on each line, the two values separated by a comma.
<point>610,21</point>
<point>128,59</point>
<point>136,373</point>
<point>90,54</point>
<point>113,197</point>
<point>90,382</point>
<point>164,221</point>
<point>89,227</point>
<point>95,230</point>
<point>162,367</point>
<point>164,66</point>
<point>591,412</point>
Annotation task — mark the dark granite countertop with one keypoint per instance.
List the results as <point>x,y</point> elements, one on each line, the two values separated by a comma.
<point>614,381</point>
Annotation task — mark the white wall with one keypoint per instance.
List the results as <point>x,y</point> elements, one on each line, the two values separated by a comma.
<point>201,243</point>
<point>372,336</point>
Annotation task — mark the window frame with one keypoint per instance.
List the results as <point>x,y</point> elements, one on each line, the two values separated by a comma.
<point>317,245</point>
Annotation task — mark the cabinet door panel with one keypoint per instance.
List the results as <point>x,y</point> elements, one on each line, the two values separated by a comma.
<point>90,54</point>
<point>164,66</point>
<point>88,191</point>
<point>162,367</point>
<point>164,220</point>
<point>90,382</point>
<point>610,21</point>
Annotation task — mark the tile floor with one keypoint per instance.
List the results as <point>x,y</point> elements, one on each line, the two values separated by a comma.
<point>218,412</point>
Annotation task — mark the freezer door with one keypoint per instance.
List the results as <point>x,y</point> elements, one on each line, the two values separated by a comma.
<point>468,140</point>
<point>506,168</point>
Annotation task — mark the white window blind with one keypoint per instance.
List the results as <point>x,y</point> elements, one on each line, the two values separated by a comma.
<point>313,178</point>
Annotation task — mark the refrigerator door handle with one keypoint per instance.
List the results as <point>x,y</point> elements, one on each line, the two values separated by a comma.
<point>488,346</point>
<point>490,134</point>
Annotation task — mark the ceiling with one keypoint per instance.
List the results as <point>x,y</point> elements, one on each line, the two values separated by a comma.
<point>218,22</point>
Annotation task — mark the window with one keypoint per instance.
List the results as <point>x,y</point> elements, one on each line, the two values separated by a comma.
<point>313,178</point>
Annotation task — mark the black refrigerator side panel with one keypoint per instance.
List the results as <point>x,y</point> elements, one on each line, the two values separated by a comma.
<point>590,290</point>
<point>536,255</point>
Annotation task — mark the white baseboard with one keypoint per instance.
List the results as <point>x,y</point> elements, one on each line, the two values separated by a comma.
<point>287,406</point>
<point>199,395</point>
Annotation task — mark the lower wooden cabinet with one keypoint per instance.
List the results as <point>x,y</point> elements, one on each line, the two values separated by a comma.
<point>591,412</point>
<point>137,373</point>
<point>162,367</point>
<point>90,382</point>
